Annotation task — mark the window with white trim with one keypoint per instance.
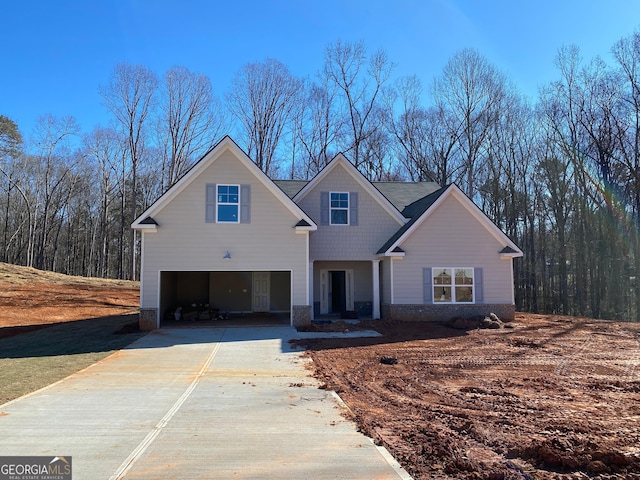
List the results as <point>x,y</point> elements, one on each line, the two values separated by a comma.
<point>339,208</point>
<point>453,285</point>
<point>228,204</point>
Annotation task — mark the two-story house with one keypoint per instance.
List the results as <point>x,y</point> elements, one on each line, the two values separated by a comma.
<point>227,236</point>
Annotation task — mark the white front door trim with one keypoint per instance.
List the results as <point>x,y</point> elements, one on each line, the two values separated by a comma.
<point>325,287</point>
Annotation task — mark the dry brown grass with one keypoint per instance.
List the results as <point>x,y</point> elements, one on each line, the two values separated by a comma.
<point>52,325</point>
<point>18,275</point>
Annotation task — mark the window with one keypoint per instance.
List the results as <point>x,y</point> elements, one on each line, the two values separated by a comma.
<point>453,285</point>
<point>339,209</point>
<point>228,203</point>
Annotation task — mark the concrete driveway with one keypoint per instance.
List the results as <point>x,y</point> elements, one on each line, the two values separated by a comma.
<point>196,403</point>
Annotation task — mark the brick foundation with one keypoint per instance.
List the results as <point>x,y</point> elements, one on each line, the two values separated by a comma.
<point>441,313</point>
<point>301,315</point>
<point>148,319</point>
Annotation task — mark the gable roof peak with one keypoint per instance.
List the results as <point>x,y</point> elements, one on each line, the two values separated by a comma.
<point>341,159</point>
<point>422,208</point>
<point>226,143</point>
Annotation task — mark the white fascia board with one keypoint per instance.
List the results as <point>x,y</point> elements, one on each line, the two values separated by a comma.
<point>145,228</point>
<point>312,228</point>
<point>364,183</point>
<point>511,255</point>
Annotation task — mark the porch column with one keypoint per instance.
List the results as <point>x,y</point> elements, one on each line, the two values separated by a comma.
<point>375,268</point>
<point>310,295</point>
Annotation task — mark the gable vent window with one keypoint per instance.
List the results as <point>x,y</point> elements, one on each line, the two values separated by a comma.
<point>339,208</point>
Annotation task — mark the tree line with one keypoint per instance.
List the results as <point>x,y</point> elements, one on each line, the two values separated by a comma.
<point>560,174</point>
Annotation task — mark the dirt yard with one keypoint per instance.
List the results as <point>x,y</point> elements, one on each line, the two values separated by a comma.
<point>548,398</point>
<point>31,299</point>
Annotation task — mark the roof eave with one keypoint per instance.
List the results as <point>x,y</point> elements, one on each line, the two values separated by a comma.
<point>392,254</point>
<point>310,228</point>
<point>144,228</point>
<point>511,255</point>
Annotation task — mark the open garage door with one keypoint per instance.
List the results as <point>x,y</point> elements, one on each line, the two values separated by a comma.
<point>220,295</point>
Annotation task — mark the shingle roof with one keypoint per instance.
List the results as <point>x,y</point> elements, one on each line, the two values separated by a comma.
<point>291,187</point>
<point>400,194</point>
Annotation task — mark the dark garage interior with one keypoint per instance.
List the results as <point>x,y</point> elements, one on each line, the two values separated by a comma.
<point>212,295</point>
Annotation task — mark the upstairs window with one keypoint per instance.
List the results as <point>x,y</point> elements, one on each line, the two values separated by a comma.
<point>228,204</point>
<point>339,208</point>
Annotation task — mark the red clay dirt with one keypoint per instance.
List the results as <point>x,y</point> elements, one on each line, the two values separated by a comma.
<point>32,299</point>
<point>548,398</point>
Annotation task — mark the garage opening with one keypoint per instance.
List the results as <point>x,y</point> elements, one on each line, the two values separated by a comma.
<point>215,296</point>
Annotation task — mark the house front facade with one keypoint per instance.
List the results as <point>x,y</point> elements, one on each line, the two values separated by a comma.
<point>226,238</point>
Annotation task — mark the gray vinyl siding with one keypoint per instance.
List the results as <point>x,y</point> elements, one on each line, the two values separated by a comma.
<point>452,237</point>
<point>347,242</point>
<point>184,241</point>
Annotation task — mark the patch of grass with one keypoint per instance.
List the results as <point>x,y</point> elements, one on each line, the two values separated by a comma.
<point>39,358</point>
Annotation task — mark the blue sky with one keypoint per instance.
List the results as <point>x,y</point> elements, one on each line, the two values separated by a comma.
<point>57,53</point>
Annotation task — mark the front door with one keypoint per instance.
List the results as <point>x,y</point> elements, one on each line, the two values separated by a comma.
<point>261,291</point>
<point>336,291</point>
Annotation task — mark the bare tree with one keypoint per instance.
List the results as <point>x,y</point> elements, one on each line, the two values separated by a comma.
<point>472,92</point>
<point>360,80</point>
<point>189,122</point>
<point>316,126</point>
<point>54,175</point>
<point>10,146</point>
<point>627,55</point>
<point>129,96</point>
<point>263,97</point>
<point>104,149</point>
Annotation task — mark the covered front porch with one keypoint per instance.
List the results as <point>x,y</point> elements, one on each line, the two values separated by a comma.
<point>345,289</point>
